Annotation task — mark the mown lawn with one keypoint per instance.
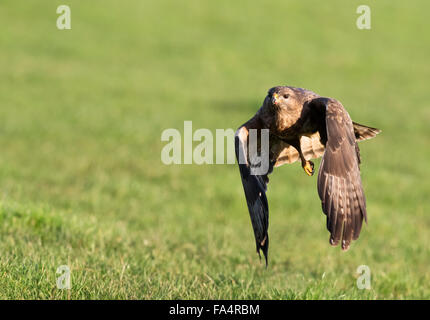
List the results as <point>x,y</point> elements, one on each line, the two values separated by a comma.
<point>81,179</point>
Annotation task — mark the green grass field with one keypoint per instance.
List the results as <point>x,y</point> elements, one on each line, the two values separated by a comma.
<point>81,179</point>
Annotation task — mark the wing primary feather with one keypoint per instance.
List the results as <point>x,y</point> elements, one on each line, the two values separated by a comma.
<point>348,225</point>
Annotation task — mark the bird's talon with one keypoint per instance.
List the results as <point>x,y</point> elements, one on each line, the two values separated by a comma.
<point>309,168</point>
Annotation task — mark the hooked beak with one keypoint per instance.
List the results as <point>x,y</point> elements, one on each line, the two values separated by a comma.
<point>275,97</point>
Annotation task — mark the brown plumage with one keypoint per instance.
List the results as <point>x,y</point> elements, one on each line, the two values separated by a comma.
<point>303,126</point>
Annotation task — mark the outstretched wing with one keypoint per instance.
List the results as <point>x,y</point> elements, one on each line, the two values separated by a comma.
<point>339,181</point>
<point>254,186</point>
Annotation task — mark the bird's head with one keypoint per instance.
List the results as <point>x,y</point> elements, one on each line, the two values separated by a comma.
<point>281,98</point>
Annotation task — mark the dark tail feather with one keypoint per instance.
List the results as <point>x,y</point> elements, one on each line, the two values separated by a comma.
<point>364,132</point>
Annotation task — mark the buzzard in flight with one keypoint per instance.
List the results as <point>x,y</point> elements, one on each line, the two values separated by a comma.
<point>302,125</point>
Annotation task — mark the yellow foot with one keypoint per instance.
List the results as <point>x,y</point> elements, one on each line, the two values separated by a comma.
<point>309,168</point>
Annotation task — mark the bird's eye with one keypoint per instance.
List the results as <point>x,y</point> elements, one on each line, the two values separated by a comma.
<point>286,96</point>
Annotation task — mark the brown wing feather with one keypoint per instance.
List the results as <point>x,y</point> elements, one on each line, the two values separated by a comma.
<point>339,181</point>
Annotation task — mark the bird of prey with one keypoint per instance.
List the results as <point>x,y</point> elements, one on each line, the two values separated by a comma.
<point>302,125</point>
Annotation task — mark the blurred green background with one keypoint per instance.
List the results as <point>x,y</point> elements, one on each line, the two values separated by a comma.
<point>81,179</point>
